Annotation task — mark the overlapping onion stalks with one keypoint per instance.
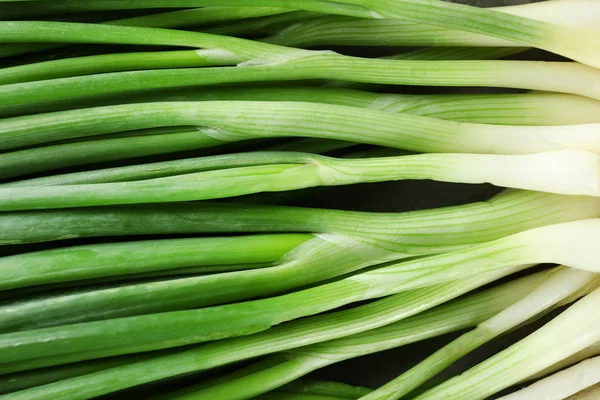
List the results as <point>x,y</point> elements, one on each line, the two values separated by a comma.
<point>115,272</point>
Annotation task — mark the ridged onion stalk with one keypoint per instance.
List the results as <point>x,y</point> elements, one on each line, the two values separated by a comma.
<point>259,62</point>
<point>572,331</point>
<point>562,287</point>
<point>562,384</point>
<point>439,53</point>
<point>294,334</point>
<point>274,371</point>
<point>510,109</point>
<point>569,243</point>
<point>222,122</point>
<point>443,229</point>
<point>346,242</point>
<point>571,172</point>
<point>304,389</point>
<point>347,31</point>
<point>171,19</point>
<point>571,41</point>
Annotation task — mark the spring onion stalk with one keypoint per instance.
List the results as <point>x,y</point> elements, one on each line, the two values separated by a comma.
<point>228,121</point>
<point>408,232</point>
<point>145,277</point>
<point>502,109</point>
<point>290,335</point>
<point>323,388</point>
<point>576,358</point>
<point>572,331</point>
<point>14,11</point>
<point>435,54</point>
<point>563,284</point>
<point>309,263</point>
<point>172,19</point>
<point>570,41</point>
<point>526,109</point>
<point>569,243</point>
<point>560,77</point>
<point>294,334</point>
<point>267,62</point>
<point>279,369</point>
<point>114,62</point>
<point>340,30</point>
<point>562,384</point>
<point>100,150</point>
<point>198,16</point>
<point>343,233</point>
<point>101,260</point>
<point>29,379</point>
<point>261,26</point>
<point>571,172</point>
<point>440,53</point>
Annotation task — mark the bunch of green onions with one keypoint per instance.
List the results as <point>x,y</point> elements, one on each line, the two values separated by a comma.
<point>157,160</point>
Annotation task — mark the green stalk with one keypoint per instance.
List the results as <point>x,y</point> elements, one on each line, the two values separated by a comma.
<point>272,63</point>
<point>98,150</point>
<point>572,331</point>
<point>407,232</point>
<point>129,279</point>
<point>546,76</point>
<point>541,245</point>
<point>25,380</point>
<point>374,234</point>
<point>570,41</point>
<point>450,53</point>
<point>102,260</point>
<point>563,286</point>
<point>574,172</point>
<point>324,388</point>
<point>172,19</point>
<point>347,31</point>
<point>114,62</point>
<point>39,8</point>
<point>231,121</point>
<point>270,373</point>
<point>525,109</point>
<point>561,385</point>
<point>312,262</point>
<point>262,26</point>
<point>436,54</point>
<point>290,335</point>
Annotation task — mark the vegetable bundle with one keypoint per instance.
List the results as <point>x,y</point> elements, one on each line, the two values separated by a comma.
<point>192,199</point>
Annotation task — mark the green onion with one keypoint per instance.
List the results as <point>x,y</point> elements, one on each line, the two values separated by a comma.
<point>562,384</point>
<point>101,260</point>
<point>290,335</point>
<point>114,62</point>
<point>570,332</point>
<point>266,62</point>
<point>42,7</point>
<point>276,370</point>
<point>564,286</point>
<point>572,172</point>
<point>327,390</point>
<point>376,235</point>
<point>573,42</point>
<point>569,243</point>
<point>229,121</point>
<point>442,229</point>
<point>172,19</point>
<point>527,109</point>
<point>339,30</point>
